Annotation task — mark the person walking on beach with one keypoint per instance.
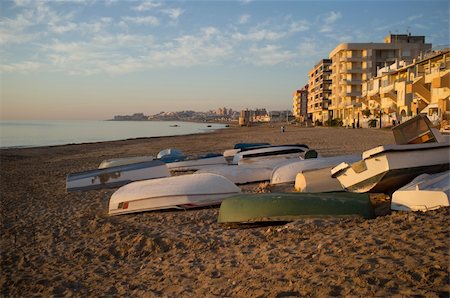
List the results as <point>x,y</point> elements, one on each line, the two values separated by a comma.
<point>282,129</point>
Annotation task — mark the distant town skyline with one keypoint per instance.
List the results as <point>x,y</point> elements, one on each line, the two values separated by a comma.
<point>93,59</point>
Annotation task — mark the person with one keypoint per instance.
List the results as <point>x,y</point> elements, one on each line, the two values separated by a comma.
<point>282,128</point>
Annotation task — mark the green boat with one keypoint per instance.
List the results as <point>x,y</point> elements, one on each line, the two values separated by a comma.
<point>284,207</point>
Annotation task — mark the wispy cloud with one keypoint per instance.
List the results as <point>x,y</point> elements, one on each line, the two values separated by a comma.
<point>23,67</point>
<point>173,13</point>
<point>148,20</point>
<point>329,20</point>
<point>258,35</point>
<point>243,19</point>
<point>147,5</point>
<point>269,55</point>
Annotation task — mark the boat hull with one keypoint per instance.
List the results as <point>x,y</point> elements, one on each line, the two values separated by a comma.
<point>272,207</point>
<point>385,171</point>
<point>317,181</point>
<point>115,162</point>
<point>187,191</point>
<point>241,174</point>
<point>197,164</point>
<point>272,151</point>
<point>116,176</point>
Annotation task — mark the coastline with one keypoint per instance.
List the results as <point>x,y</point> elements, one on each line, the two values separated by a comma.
<point>56,243</point>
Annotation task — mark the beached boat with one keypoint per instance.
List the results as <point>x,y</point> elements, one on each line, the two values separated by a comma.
<point>229,153</point>
<point>270,151</point>
<point>187,191</point>
<point>317,181</point>
<point>194,164</point>
<point>425,192</point>
<point>287,173</point>
<point>385,169</point>
<point>241,174</point>
<point>417,130</point>
<point>116,176</point>
<point>273,207</point>
<point>124,161</point>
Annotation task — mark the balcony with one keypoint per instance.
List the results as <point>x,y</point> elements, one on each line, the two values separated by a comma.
<point>351,82</point>
<point>387,88</point>
<point>355,70</point>
<point>418,87</point>
<point>353,93</point>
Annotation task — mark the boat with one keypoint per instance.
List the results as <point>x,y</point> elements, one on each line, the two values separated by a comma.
<point>239,146</point>
<point>177,192</point>
<point>288,172</point>
<point>108,163</point>
<point>385,169</point>
<point>423,193</point>
<point>417,130</point>
<point>270,151</point>
<point>319,180</point>
<point>283,207</point>
<point>241,174</point>
<point>197,163</point>
<point>170,155</point>
<point>117,176</point>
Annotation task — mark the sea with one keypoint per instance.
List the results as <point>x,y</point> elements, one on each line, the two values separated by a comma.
<point>15,134</point>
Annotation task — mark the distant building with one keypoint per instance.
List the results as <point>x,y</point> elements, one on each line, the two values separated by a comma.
<point>134,117</point>
<point>319,91</point>
<point>353,63</point>
<point>299,103</point>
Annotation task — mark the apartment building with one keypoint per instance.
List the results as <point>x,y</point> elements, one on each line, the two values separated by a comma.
<point>319,91</point>
<point>354,63</point>
<point>299,102</point>
<point>402,90</point>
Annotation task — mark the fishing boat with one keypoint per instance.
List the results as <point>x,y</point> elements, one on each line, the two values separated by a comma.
<point>270,151</point>
<point>241,174</point>
<point>425,192</point>
<point>385,169</point>
<point>282,207</point>
<point>116,176</point>
<point>124,161</point>
<point>197,163</point>
<point>286,173</point>
<point>179,192</point>
<point>317,181</point>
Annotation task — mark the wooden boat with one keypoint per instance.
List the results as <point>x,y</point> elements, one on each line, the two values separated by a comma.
<point>270,151</point>
<point>241,174</point>
<point>195,164</point>
<point>124,161</point>
<point>425,192</point>
<point>385,169</point>
<point>187,191</point>
<point>317,181</point>
<point>287,173</point>
<point>273,207</point>
<point>116,176</point>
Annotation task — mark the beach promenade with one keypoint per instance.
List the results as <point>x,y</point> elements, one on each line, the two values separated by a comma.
<point>58,244</point>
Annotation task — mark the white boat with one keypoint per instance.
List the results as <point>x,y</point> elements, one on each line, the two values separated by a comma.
<point>425,192</point>
<point>271,162</point>
<point>270,151</point>
<point>385,169</point>
<point>314,181</point>
<point>197,163</point>
<point>287,173</point>
<point>239,146</point>
<point>241,174</point>
<point>124,161</point>
<point>116,176</point>
<point>181,192</point>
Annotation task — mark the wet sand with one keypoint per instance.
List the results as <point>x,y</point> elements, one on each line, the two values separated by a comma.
<point>64,244</point>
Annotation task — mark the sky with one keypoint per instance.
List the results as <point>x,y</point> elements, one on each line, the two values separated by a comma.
<point>93,59</point>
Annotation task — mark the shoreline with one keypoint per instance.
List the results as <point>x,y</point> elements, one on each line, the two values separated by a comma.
<point>60,244</point>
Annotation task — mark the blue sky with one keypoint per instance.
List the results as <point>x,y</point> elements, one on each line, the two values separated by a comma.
<point>93,59</point>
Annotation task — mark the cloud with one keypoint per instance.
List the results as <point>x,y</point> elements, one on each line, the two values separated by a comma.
<point>258,35</point>
<point>243,19</point>
<point>23,67</point>
<point>147,5</point>
<point>269,55</point>
<point>148,20</point>
<point>332,17</point>
<point>173,13</point>
<point>298,26</point>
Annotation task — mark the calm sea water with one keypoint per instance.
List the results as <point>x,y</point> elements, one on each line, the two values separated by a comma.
<point>44,133</point>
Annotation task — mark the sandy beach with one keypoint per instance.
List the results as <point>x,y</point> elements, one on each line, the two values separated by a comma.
<point>57,244</point>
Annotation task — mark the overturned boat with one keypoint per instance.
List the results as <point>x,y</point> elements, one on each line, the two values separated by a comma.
<point>385,169</point>
<point>179,192</point>
<point>283,207</point>
<point>114,162</point>
<point>241,174</point>
<point>286,173</point>
<point>425,192</point>
<point>116,176</point>
<point>317,181</point>
<point>197,163</point>
<point>270,151</point>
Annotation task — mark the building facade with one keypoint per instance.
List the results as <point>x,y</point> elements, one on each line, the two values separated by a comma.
<point>354,63</point>
<point>402,90</point>
<point>300,102</point>
<point>319,91</point>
